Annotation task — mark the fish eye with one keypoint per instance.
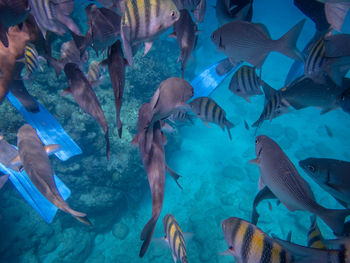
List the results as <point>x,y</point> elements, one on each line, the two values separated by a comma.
<point>172,13</point>
<point>311,168</point>
<point>256,141</point>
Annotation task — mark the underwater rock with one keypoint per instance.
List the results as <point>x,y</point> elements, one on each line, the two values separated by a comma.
<point>120,231</point>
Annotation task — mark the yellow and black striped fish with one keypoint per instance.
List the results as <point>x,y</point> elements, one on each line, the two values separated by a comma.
<point>209,111</point>
<point>144,20</point>
<point>245,83</point>
<point>314,236</point>
<point>249,244</point>
<point>94,73</point>
<point>175,239</point>
<point>31,60</point>
<point>315,60</point>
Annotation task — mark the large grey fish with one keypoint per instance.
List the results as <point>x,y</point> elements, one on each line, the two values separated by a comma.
<point>209,111</point>
<point>103,31</point>
<point>244,41</point>
<point>185,31</point>
<point>144,21</point>
<point>12,12</point>
<point>246,83</point>
<point>175,239</point>
<point>116,67</point>
<point>33,156</point>
<point>332,175</point>
<point>249,244</point>
<point>198,7</point>
<point>280,179</point>
<point>54,16</point>
<point>86,98</point>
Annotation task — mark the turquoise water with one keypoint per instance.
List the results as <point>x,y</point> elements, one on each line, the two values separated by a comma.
<point>218,182</point>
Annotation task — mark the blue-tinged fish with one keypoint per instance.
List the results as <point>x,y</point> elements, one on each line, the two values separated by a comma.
<point>32,60</point>
<point>280,179</point>
<point>246,83</point>
<point>86,98</point>
<point>94,72</point>
<point>12,12</point>
<point>185,31</point>
<point>314,236</point>
<point>144,21</point>
<point>249,244</point>
<point>175,239</point>
<point>33,157</point>
<point>230,10</point>
<point>332,175</point>
<point>209,111</point>
<point>244,41</point>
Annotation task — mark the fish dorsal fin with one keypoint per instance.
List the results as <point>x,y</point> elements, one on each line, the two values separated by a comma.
<point>148,46</point>
<point>173,35</point>
<point>263,28</point>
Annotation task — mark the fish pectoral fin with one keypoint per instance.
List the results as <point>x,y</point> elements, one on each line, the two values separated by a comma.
<point>135,140</point>
<point>206,124</point>
<point>66,91</point>
<point>148,46</point>
<point>21,60</point>
<point>164,138</point>
<point>228,252</point>
<point>155,99</point>
<point>52,148</point>
<point>174,175</point>
<point>255,161</point>
<point>172,35</point>
<point>15,162</point>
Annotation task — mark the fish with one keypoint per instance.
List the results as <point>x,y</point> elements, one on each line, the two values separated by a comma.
<point>54,16</point>
<point>153,160</point>
<point>180,116</point>
<point>315,10</point>
<point>314,236</point>
<point>103,30</point>
<point>209,111</point>
<point>116,68</point>
<point>228,11</point>
<point>249,244</point>
<point>245,83</point>
<point>336,12</point>
<point>281,180</point>
<point>17,40</point>
<point>329,131</point>
<point>12,13</point>
<point>175,238</point>
<point>94,72</point>
<point>331,175</point>
<point>32,60</point>
<point>344,101</point>
<point>115,5</point>
<point>186,33</point>
<point>245,41</point>
<point>306,92</point>
<point>86,98</point>
<point>33,157</point>
<point>139,26</point>
<point>275,105</point>
<point>198,7</point>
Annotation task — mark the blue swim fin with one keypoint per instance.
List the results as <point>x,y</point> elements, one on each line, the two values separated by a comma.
<point>206,82</point>
<point>48,129</point>
<point>42,206</point>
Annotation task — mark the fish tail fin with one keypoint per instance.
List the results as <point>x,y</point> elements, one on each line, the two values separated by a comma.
<point>335,218</point>
<point>336,14</point>
<point>119,127</point>
<point>57,65</point>
<point>85,220</point>
<point>108,146</point>
<point>287,43</point>
<point>69,210</point>
<point>147,234</point>
<point>229,126</point>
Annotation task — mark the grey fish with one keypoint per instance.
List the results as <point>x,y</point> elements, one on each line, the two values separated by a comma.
<point>116,67</point>
<point>228,11</point>
<point>209,111</point>
<point>139,26</point>
<point>33,156</point>
<point>12,12</point>
<point>332,175</point>
<point>281,180</point>
<point>86,98</point>
<point>245,83</point>
<point>54,16</point>
<point>175,239</point>
<point>245,41</point>
<point>249,244</point>
<point>198,7</point>
<point>185,31</point>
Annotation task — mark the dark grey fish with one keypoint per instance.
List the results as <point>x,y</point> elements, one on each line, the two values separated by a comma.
<point>33,156</point>
<point>245,83</point>
<point>332,175</point>
<point>209,111</point>
<point>86,98</point>
<point>138,25</point>
<point>12,12</point>
<point>244,41</point>
<point>54,16</point>
<point>116,67</point>
<point>280,179</point>
<point>185,31</point>
<point>175,239</point>
<point>230,10</point>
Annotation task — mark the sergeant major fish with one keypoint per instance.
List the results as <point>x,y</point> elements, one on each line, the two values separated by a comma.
<point>32,60</point>
<point>314,236</point>
<point>143,21</point>
<point>209,111</point>
<point>94,72</point>
<point>175,239</point>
